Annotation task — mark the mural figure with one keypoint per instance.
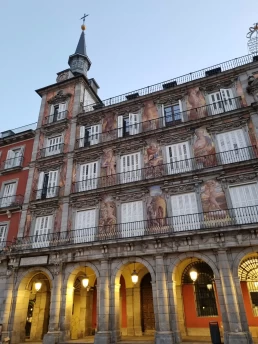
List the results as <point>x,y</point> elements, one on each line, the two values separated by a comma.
<point>156,207</point>
<point>150,116</point>
<point>195,104</point>
<point>213,200</point>
<point>107,221</point>
<point>153,159</point>
<point>204,149</point>
<point>108,127</point>
<point>108,167</point>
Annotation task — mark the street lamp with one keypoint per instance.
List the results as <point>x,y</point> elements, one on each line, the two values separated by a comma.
<point>85,280</point>
<point>134,276</point>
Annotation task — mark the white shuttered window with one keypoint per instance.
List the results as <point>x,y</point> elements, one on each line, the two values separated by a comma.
<point>54,145</point>
<point>8,194</point>
<point>178,158</point>
<point>52,184</point>
<point>14,158</point>
<point>3,230</point>
<point>88,176</point>
<point>222,101</point>
<point>89,136</point>
<point>134,123</point>
<point>85,226</point>
<point>185,212</point>
<point>232,146</point>
<point>132,219</point>
<point>43,227</point>
<point>245,201</point>
<point>130,168</point>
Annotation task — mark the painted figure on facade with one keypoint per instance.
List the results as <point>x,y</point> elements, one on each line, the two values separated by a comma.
<point>156,207</point>
<point>204,149</point>
<point>150,116</point>
<point>107,220</point>
<point>153,159</point>
<point>108,165</point>
<point>195,104</point>
<point>108,127</point>
<point>213,200</point>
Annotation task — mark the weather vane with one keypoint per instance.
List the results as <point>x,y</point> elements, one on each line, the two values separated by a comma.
<point>252,36</point>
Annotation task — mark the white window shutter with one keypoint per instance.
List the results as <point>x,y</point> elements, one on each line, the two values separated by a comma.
<point>228,99</point>
<point>120,126</point>
<point>82,136</point>
<point>181,110</point>
<point>3,230</point>
<point>134,123</point>
<point>8,194</point>
<point>178,158</point>
<point>232,146</point>
<point>85,226</point>
<point>51,114</point>
<point>52,184</point>
<point>130,167</point>
<point>20,157</point>
<point>132,219</point>
<point>94,135</point>
<point>88,176</point>
<point>9,159</point>
<point>61,111</point>
<point>40,185</point>
<point>216,106</point>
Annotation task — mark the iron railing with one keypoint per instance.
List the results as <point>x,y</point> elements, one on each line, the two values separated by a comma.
<point>46,193</point>
<point>215,108</point>
<point>11,201</point>
<point>56,117</point>
<point>15,131</point>
<point>51,150</point>
<point>162,226</point>
<point>172,168</point>
<point>12,163</point>
<point>221,67</point>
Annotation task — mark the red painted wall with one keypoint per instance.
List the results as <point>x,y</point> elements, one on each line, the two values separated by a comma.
<point>191,318</point>
<point>251,319</point>
<point>123,305</point>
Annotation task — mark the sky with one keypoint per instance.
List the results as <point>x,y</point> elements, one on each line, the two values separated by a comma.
<point>131,44</point>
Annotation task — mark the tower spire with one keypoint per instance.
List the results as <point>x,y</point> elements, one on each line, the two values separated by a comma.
<point>79,61</point>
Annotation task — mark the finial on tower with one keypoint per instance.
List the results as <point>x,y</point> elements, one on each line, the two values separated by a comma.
<point>83,27</point>
<point>253,39</point>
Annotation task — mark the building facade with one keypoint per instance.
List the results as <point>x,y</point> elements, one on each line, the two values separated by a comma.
<point>140,214</point>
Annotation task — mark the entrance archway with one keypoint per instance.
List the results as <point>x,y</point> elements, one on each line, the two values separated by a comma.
<point>248,275</point>
<point>31,314</point>
<point>147,308</point>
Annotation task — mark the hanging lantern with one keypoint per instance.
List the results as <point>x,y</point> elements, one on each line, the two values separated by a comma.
<point>85,282</point>
<point>209,286</point>
<point>193,274</point>
<point>256,285</point>
<point>134,277</point>
<point>38,285</point>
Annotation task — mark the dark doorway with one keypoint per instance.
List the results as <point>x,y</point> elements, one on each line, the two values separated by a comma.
<point>147,310</point>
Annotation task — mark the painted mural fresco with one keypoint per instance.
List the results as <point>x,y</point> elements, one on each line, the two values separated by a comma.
<point>108,167</point>
<point>214,201</point>
<point>150,116</point>
<point>156,208</point>
<point>109,124</point>
<point>240,93</point>
<point>58,219</point>
<point>107,218</point>
<point>204,148</point>
<point>153,159</point>
<point>195,104</point>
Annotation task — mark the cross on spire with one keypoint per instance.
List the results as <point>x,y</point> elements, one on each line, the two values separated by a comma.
<point>83,18</point>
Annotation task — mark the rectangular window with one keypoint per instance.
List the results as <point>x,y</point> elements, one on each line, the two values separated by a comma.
<point>185,212</point>
<point>85,226</point>
<point>57,112</point>
<point>222,101</point>
<point>3,232</point>
<point>88,176</point>
<point>128,124</point>
<point>8,194</point>
<point>244,199</point>
<point>47,185</point>
<point>130,168</point>
<point>172,114</point>
<point>54,145</point>
<point>43,227</point>
<point>132,219</point>
<point>233,147</point>
<point>14,158</point>
<point>89,135</point>
<point>178,158</point>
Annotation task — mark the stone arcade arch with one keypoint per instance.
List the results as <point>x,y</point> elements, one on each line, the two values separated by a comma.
<point>31,307</point>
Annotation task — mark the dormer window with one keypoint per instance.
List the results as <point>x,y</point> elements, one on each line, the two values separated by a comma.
<point>128,124</point>
<point>57,112</point>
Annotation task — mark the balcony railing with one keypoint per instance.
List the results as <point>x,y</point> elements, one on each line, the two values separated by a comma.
<point>162,226</point>
<point>10,132</point>
<point>51,150</point>
<point>46,193</point>
<point>56,117</point>
<point>221,67</point>
<point>172,168</point>
<point>11,201</point>
<point>12,163</point>
<point>215,108</point>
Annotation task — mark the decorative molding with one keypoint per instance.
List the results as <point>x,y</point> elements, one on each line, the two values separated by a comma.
<point>131,196</point>
<point>172,189</point>
<point>55,127</point>
<point>80,157</point>
<point>216,87</point>
<point>252,87</point>
<point>220,127</point>
<point>83,202</point>
<point>63,76</point>
<point>88,120</point>
<point>128,147</point>
<point>169,139</point>
<point>44,208</point>
<point>50,161</point>
<point>59,97</point>
<point>239,178</point>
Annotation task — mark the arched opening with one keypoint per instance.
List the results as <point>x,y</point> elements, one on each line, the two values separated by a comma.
<point>134,302</point>
<point>248,275</point>
<point>81,303</point>
<point>197,300</point>
<point>31,315</point>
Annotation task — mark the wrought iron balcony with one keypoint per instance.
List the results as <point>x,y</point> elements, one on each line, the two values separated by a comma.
<point>46,193</point>
<point>52,150</point>
<point>12,164</point>
<point>206,72</point>
<point>56,117</point>
<point>163,226</point>
<point>172,168</point>
<point>216,108</point>
<point>14,201</point>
